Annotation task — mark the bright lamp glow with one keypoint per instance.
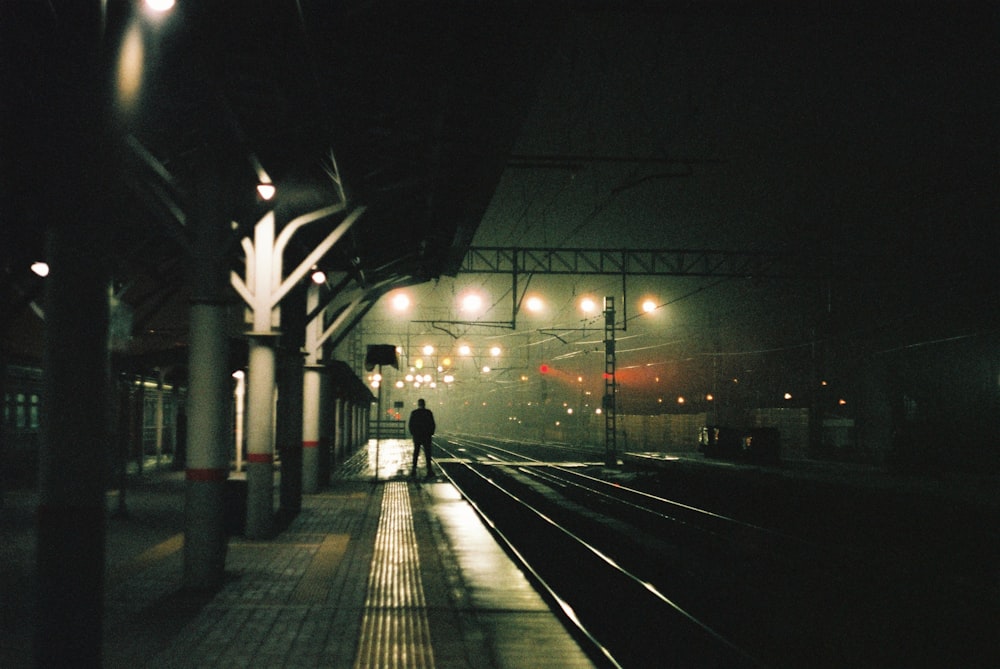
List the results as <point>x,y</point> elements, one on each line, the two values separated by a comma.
<point>160,5</point>
<point>400,301</point>
<point>534,304</point>
<point>648,306</point>
<point>587,305</point>
<point>428,350</point>
<point>40,268</point>
<point>495,351</point>
<point>266,190</point>
<point>464,349</point>
<point>472,302</point>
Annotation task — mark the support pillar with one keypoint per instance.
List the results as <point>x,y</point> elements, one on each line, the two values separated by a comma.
<point>311,417</point>
<point>207,452</point>
<point>208,408</point>
<point>260,436</point>
<point>71,506</point>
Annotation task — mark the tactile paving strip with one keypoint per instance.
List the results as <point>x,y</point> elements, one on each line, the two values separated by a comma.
<point>395,633</point>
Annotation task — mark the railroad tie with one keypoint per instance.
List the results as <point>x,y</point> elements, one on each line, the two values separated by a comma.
<point>395,633</point>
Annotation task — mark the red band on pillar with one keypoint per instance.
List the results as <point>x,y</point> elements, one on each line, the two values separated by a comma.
<point>259,458</point>
<point>310,444</point>
<point>206,475</point>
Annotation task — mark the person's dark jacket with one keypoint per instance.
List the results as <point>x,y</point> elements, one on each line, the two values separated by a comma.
<point>422,423</point>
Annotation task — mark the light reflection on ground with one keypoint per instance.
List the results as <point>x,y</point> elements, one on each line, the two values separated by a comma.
<point>389,458</point>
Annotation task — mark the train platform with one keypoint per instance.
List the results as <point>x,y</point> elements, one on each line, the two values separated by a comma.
<point>378,570</point>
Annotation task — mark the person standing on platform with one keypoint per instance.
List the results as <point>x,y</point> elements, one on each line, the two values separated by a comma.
<point>422,428</point>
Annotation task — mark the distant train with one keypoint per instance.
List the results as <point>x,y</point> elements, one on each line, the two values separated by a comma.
<point>147,413</point>
<point>21,420</point>
<point>759,444</point>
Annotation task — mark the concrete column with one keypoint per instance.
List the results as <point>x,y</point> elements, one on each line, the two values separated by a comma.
<point>288,428</point>
<point>209,377</point>
<point>64,152</point>
<point>71,507</point>
<point>327,428</point>
<point>207,452</point>
<point>311,421</point>
<point>260,436</point>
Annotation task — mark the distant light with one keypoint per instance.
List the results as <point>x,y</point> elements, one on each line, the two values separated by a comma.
<point>160,5</point>
<point>788,396</point>
<point>570,411</point>
<point>681,400</point>
<point>40,268</point>
<point>448,378</point>
<point>495,351</point>
<point>534,304</point>
<point>318,277</point>
<point>266,191</point>
<point>588,305</point>
<point>400,301</point>
<point>464,349</point>
<point>841,401</point>
<point>400,384</point>
<point>486,369</point>
<point>710,397</point>
<point>428,350</point>
<point>543,368</point>
<point>472,302</point>
<point>445,363</point>
<point>649,306</point>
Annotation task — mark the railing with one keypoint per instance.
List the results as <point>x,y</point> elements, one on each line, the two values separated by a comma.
<point>387,429</point>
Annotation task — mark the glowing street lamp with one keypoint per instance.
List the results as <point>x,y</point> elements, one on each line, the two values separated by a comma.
<point>649,306</point>
<point>472,302</point>
<point>588,305</point>
<point>400,301</point>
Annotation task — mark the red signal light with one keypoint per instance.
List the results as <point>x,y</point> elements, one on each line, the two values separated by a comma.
<point>544,369</point>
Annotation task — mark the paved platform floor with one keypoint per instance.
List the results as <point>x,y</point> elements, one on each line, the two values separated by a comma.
<point>372,572</point>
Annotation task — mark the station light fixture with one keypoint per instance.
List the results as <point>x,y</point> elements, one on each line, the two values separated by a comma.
<point>471,302</point>
<point>400,301</point>
<point>534,304</point>
<point>160,5</point>
<point>588,305</point>
<point>266,190</point>
<point>649,305</point>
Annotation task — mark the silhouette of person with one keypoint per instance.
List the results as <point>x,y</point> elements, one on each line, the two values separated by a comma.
<point>422,428</point>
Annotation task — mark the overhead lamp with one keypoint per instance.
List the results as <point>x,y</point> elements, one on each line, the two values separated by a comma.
<point>40,268</point>
<point>534,304</point>
<point>472,302</point>
<point>318,276</point>
<point>400,301</point>
<point>266,190</point>
<point>160,5</point>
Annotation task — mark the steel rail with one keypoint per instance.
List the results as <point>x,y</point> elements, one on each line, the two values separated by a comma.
<point>596,552</point>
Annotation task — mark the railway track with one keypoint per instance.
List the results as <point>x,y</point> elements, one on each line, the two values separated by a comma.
<point>651,581</point>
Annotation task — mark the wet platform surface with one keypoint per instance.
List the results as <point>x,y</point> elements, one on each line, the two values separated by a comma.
<point>373,572</point>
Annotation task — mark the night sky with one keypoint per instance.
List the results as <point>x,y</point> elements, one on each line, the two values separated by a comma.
<point>860,141</point>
